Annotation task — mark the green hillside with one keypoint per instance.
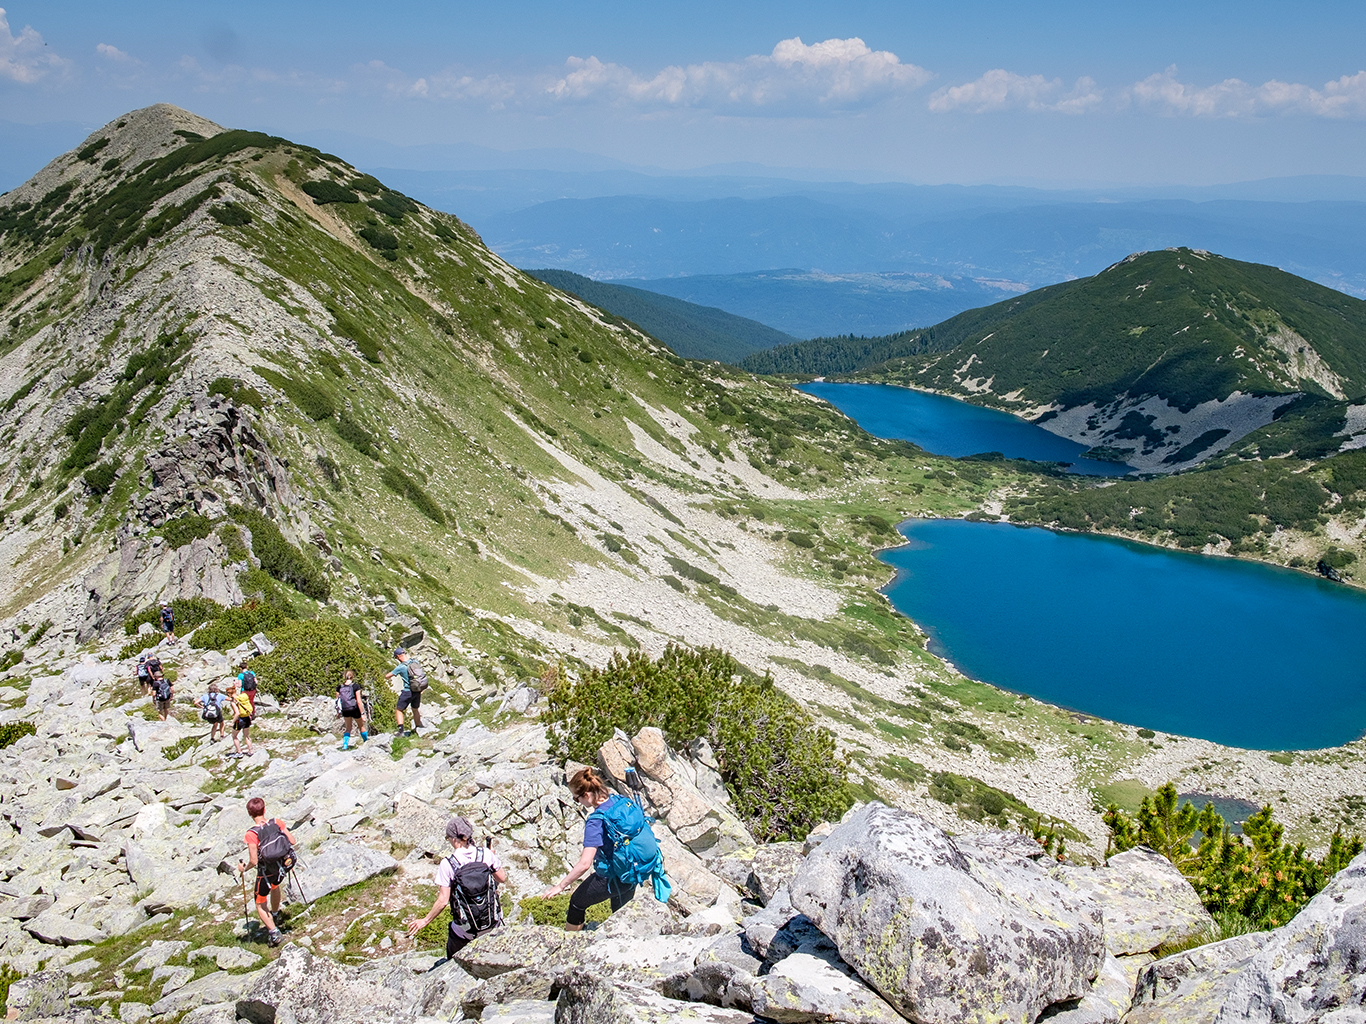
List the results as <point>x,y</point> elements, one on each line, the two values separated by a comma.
<point>697,332</point>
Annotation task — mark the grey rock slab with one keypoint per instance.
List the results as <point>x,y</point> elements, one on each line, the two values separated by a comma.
<point>514,946</point>
<point>1144,899</point>
<point>522,1011</point>
<point>723,974</point>
<point>219,987</point>
<point>227,958</point>
<point>1193,984</point>
<point>176,977</point>
<point>779,929</point>
<point>25,907</point>
<point>773,866</point>
<point>945,930</point>
<point>158,953</point>
<point>444,989</point>
<point>213,1013</point>
<point>418,824</point>
<point>44,994</point>
<point>54,929</point>
<point>586,998</point>
<point>337,864</point>
<point>535,982</point>
<point>1109,999</point>
<point>315,990</point>
<point>134,1012</point>
<point>813,985</point>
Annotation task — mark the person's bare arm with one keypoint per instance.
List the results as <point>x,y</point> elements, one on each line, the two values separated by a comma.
<point>580,869</point>
<point>443,899</point>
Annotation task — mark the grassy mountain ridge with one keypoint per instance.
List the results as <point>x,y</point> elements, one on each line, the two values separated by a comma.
<point>693,331</point>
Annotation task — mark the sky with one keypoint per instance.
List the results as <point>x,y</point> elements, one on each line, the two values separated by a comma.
<point>1050,93</point>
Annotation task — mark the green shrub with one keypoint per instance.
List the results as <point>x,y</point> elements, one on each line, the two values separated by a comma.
<point>345,327</point>
<point>393,205</point>
<point>135,647</point>
<point>328,191</point>
<point>281,559</point>
<point>186,528</point>
<point>802,540</point>
<point>313,401</point>
<point>367,183</point>
<point>236,391</point>
<point>310,657</point>
<point>11,732</point>
<point>554,909</point>
<point>101,478</point>
<point>230,215</point>
<point>11,659</point>
<point>782,770</point>
<point>384,242</point>
<point>8,975</point>
<point>405,486</point>
<point>237,625</point>
<point>356,435</point>
<point>173,750</point>
<point>39,632</point>
<point>189,612</point>
<point>60,510</point>
<point>1256,877</point>
<point>88,153</point>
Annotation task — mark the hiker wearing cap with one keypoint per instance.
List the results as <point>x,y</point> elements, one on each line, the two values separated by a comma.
<point>351,707</point>
<point>467,881</point>
<point>214,710</point>
<point>163,693</point>
<point>270,850</point>
<point>239,705</point>
<point>168,621</point>
<point>144,675</point>
<point>591,792</point>
<point>246,683</point>
<point>407,697</point>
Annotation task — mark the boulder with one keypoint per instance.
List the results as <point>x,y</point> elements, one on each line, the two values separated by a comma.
<point>723,974</point>
<point>213,1013</point>
<point>522,1011</point>
<point>773,866</point>
<point>39,995</point>
<point>419,825</point>
<point>587,998</point>
<point>152,736</point>
<point>226,958</point>
<point>1144,899</point>
<point>1109,999</point>
<point>1192,985</point>
<point>25,907</point>
<point>515,946</point>
<point>945,929</point>
<point>535,982</point>
<point>779,930</point>
<point>58,930</point>
<point>316,990</point>
<point>156,954</point>
<point>217,987</point>
<point>813,984</point>
<point>338,864</point>
<point>1310,969</point>
<point>444,988</point>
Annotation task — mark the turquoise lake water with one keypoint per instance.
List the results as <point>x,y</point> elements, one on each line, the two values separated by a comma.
<point>946,426</point>
<point>1245,654</point>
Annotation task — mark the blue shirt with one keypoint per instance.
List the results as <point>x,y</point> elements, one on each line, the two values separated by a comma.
<point>401,670</point>
<point>595,834</point>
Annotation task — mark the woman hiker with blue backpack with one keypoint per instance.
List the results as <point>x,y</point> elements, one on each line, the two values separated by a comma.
<point>619,851</point>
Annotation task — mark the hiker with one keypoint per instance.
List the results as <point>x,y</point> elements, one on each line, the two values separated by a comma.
<point>270,850</point>
<point>596,860</point>
<point>168,621</point>
<point>213,705</point>
<point>154,669</point>
<point>144,675</point>
<point>414,681</point>
<point>163,693</point>
<point>351,707</point>
<point>240,706</point>
<point>467,881</point>
<point>246,679</point>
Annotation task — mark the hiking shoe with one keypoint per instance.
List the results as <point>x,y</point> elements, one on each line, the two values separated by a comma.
<point>276,937</point>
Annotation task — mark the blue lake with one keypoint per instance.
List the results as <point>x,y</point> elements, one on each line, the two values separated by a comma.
<point>1236,652</point>
<point>946,426</point>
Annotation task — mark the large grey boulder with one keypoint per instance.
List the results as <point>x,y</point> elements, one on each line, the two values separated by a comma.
<point>588,998</point>
<point>773,867</point>
<point>1311,969</point>
<point>39,995</point>
<point>217,987</point>
<point>779,930</point>
<point>1192,985</point>
<point>723,974</point>
<point>949,930</point>
<point>1144,899</point>
<point>444,989</point>
<point>418,825</point>
<point>1109,999</point>
<point>338,864</point>
<point>58,930</point>
<point>813,984</point>
<point>316,990</point>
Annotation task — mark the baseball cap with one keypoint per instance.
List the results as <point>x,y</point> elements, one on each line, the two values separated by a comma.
<point>398,651</point>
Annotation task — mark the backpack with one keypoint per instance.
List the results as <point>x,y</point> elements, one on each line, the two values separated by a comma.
<point>213,711</point>
<point>167,618</point>
<point>143,674</point>
<point>417,677</point>
<point>635,850</point>
<point>162,688</point>
<point>248,679</point>
<point>346,697</point>
<point>474,897</point>
<point>273,846</point>
<point>153,667</point>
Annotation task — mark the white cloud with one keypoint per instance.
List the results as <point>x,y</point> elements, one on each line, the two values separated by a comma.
<point>834,74</point>
<point>25,58</point>
<point>999,89</point>
<point>1342,97</point>
<point>112,53</point>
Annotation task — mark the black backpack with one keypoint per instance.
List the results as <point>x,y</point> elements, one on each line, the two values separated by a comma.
<point>162,688</point>
<point>273,846</point>
<point>417,677</point>
<point>474,897</point>
<point>346,697</point>
<point>153,666</point>
<point>248,681</point>
<point>167,619</point>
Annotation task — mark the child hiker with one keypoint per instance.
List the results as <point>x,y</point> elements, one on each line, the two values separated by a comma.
<point>270,850</point>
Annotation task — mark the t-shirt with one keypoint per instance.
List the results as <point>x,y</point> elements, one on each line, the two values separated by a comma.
<point>445,872</point>
<point>401,670</point>
<point>595,834</point>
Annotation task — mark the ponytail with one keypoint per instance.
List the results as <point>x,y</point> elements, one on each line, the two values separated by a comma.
<point>587,782</point>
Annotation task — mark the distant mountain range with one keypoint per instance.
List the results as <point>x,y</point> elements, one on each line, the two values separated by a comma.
<point>693,331</point>
<point>1161,361</point>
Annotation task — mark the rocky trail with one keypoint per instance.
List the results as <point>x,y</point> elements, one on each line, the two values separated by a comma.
<point>120,898</point>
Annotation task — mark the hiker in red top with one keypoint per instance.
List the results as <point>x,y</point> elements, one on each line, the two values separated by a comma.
<point>270,849</point>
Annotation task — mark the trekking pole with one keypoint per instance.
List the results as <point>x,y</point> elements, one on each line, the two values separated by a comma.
<point>242,875</point>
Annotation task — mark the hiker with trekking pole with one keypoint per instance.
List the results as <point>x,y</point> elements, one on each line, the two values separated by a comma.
<point>467,881</point>
<point>270,850</point>
<point>620,850</point>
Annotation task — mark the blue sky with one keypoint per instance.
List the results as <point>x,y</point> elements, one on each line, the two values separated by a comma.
<point>1195,92</point>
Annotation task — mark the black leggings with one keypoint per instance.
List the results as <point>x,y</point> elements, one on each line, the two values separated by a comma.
<point>594,889</point>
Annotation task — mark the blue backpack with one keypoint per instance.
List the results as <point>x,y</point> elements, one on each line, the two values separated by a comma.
<point>635,850</point>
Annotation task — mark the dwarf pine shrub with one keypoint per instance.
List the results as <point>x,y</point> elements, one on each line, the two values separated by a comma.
<point>310,657</point>
<point>782,770</point>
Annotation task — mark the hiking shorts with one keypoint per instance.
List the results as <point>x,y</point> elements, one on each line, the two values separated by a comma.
<point>594,889</point>
<point>163,706</point>
<point>408,699</point>
<point>351,713</point>
<point>267,880</point>
<point>242,723</point>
